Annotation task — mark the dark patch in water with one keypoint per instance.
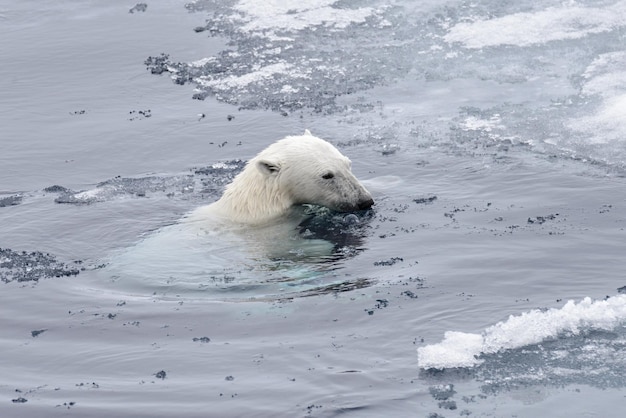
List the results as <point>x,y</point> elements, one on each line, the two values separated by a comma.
<point>92,385</point>
<point>346,231</point>
<point>390,262</point>
<point>381,303</point>
<point>201,339</point>
<point>159,64</point>
<point>68,405</point>
<point>37,332</point>
<point>442,392</point>
<point>161,374</point>
<point>139,7</point>
<point>10,201</point>
<point>24,266</point>
<point>451,405</point>
<point>310,409</point>
<point>57,189</point>
<point>425,200</point>
<point>540,220</point>
<point>139,114</point>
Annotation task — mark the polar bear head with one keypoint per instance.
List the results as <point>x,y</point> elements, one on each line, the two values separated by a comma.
<point>293,171</point>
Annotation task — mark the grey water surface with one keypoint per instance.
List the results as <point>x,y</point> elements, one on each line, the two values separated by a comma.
<point>491,135</point>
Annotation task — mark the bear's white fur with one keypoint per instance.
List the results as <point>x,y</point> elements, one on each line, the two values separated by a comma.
<point>293,171</point>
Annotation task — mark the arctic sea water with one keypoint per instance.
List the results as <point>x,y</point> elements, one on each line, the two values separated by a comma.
<point>487,281</point>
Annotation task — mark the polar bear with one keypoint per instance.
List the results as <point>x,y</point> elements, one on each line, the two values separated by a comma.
<point>259,236</point>
<point>293,171</point>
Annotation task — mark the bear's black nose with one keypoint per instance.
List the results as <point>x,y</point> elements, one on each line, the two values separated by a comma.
<point>366,204</point>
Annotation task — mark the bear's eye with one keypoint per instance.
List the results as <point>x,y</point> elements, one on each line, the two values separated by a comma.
<point>328,176</point>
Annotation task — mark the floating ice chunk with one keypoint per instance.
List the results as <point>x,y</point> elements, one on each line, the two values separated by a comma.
<point>463,349</point>
<point>552,24</point>
<point>458,349</point>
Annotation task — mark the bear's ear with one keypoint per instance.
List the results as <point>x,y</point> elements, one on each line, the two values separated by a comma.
<point>307,132</point>
<point>267,167</point>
